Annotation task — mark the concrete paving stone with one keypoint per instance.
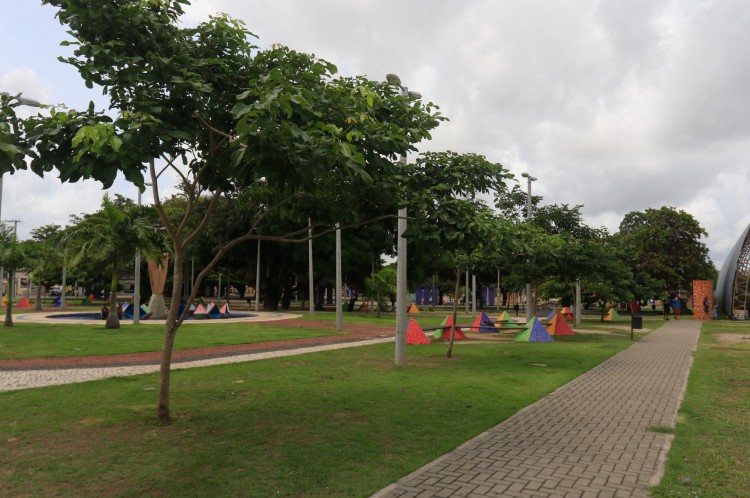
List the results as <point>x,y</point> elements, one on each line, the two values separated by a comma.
<point>427,493</point>
<point>482,490</point>
<point>446,492</point>
<point>598,444</point>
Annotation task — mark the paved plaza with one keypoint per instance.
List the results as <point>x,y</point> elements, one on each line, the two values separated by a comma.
<point>593,437</point>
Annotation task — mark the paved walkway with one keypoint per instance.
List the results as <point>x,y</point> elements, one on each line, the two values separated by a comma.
<point>590,438</point>
<point>40,372</point>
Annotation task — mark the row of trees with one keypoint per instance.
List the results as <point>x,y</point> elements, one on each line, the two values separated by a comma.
<point>271,145</point>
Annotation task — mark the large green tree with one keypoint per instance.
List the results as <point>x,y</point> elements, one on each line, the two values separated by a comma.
<point>447,203</point>
<point>664,249</point>
<point>224,117</point>
<point>45,258</point>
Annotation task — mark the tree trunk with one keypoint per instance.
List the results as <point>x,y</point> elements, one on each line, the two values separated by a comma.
<point>378,304</point>
<point>113,320</point>
<point>449,353</point>
<point>9,304</point>
<point>38,304</point>
<point>170,331</point>
<point>165,368</point>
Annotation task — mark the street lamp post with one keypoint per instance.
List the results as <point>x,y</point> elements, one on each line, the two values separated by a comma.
<point>401,291</point>
<point>137,283</point>
<point>530,179</point>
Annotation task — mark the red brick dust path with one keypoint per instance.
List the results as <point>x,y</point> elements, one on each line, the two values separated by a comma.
<point>356,332</point>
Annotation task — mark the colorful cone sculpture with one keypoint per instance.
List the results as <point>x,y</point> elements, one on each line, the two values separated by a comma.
<point>533,331</point>
<point>145,312</point>
<point>558,326</point>
<point>412,309</point>
<point>23,303</point>
<point>200,313</point>
<point>567,314</point>
<point>127,310</point>
<point>505,321</point>
<point>612,316</point>
<point>445,332</point>
<point>415,334</point>
<point>483,324</point>
<point>213,311</point>
<point>224,311</point>
<point>551,315</point>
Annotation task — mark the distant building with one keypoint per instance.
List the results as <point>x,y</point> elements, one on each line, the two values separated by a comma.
<point>732,286</point>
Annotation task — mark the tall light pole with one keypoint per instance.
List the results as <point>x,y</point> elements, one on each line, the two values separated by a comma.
<point>401,291</point>
<point>339,283</point>
<point>311,281</point>
<point>12,276</point>
<point>137,283</point>
<point>530,179</point>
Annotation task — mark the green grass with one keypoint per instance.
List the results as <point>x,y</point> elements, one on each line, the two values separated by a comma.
<point>710,456</point>
<point>336,423</point>
<point>38,340</point>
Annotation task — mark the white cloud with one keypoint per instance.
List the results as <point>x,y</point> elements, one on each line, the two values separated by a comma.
<point>617,105</point>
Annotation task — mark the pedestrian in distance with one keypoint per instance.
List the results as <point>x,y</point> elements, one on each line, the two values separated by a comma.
<point>665,304</point>
<point>677,307</point>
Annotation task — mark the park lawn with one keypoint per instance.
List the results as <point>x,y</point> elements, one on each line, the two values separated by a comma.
<point>40,340</point>
<point>335,423</point>
<point>710,455</point>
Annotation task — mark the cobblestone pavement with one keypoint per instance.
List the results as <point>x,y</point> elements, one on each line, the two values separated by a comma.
<point>12,380</point>
<point>39,372</point>
<point>592,437</point>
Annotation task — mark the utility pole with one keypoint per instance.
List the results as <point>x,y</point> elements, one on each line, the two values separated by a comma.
<point>11,276</point>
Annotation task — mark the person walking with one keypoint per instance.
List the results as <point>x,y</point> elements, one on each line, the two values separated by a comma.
<point>677,307</point>
<point>665,304</point>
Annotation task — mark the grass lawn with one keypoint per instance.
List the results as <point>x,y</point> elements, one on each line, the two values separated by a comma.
<point>335,423</point>
<point>710,456</point>
<point>38,340</point>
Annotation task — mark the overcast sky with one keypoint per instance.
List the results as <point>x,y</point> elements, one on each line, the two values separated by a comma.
<point>615,105</point>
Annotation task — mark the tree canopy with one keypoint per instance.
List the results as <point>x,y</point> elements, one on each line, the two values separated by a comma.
<point>664,247</point>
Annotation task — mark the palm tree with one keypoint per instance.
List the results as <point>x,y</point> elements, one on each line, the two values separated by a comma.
<point>45,259</point>
<point>12,258</point>
<point>111,237</point>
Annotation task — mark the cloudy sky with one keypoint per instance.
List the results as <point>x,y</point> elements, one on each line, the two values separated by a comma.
<point>618,105</point>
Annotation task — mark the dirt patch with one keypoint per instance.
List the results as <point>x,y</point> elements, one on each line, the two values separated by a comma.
<point>733,338</point>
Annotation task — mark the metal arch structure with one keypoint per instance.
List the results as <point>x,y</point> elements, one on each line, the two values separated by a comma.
<point>734,279</point>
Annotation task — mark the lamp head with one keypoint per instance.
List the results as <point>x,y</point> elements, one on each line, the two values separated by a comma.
<point>29,102</point>
<point>393,79</point>
<point>24,101</point>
